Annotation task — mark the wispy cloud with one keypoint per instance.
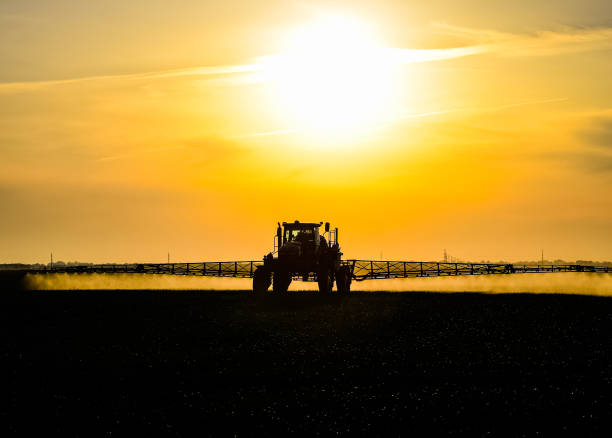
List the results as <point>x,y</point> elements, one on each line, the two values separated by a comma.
<point>270,133</point>
<point>476,41</point>
<point>138,153</point>
<point>390,55</point>
<point>372,121</point>
<point>540,43</point>
<point>11,87</point>
<point>410,116</point>
<point>427,114</point>
<point>598,133</point>
<point>477,109</point>
<point>410,56</point>
<point>20,19</point>
<point>518,104</point>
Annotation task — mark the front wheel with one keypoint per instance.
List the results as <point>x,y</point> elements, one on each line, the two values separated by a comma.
<point>281,283</point>
<point>343,279</point>
<point>325,278</point>
<point>261,280</point>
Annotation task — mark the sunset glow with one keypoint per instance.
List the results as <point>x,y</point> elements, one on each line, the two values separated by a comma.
<point>413,127</point>
<point>333,79</point>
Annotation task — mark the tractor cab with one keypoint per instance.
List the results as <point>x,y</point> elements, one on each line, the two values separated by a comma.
<point>299,239</point>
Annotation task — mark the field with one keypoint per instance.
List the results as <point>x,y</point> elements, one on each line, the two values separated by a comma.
<point>372,364</point>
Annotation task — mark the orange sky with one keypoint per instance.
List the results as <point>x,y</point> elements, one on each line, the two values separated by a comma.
<point>131,131</point>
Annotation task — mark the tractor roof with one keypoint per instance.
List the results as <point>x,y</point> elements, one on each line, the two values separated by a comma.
<point>301,225</point>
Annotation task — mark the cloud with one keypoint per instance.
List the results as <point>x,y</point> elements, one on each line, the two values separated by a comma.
<point>599,163</point>
<point>588,161</point>
<point>476,41</point>
<point>519,104</point>
<point>409,116</point>
<point>477,109</point>
<point>220,70</point>
<point>270,133</point>
<point>540,43</point>
<point>597,137</point>
<point>568,283</point>
<point>592,145</point>
<point>411,56</point>
<point>139,153</point>
<point>20,19</point>
<point>372,121</point>
<point>599,133</point>
<point>393,55</point>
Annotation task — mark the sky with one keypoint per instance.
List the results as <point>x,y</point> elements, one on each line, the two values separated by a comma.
<point>132,129</point>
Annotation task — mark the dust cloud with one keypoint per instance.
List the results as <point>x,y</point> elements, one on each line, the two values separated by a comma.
<point>570,283</point>
<point>132,281</point>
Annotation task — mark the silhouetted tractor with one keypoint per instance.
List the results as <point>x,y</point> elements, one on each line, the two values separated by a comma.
<point>303,254</point>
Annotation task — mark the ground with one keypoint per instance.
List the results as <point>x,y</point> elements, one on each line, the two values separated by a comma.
<point>372,364</point>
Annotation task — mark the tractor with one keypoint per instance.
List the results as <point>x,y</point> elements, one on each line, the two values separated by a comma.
<point>302,253</point>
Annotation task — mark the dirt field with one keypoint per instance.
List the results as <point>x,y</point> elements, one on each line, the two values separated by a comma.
<point>372,364</point>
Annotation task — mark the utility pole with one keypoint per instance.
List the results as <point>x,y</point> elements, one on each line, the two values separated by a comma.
<point>542,257</point>
<point>51,259</point>
<point>445,256</point>
<point>168,257</point>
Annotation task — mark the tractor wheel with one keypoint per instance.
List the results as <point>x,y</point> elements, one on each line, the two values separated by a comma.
<point>325,278</point>
<point>281,282</point>
<point>261,280</point>
<point>343,279</point>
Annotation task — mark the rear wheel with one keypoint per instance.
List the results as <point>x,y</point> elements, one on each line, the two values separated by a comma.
<point>325,278</point>
<point>281,283</point>
<point>343,279</point>
<point>261,280</point>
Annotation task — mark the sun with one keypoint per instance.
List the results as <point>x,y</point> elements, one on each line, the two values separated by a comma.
<point>333,78</point>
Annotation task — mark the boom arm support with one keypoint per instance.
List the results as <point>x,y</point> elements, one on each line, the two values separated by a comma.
<point>370,269</point>
<point>360,269</point>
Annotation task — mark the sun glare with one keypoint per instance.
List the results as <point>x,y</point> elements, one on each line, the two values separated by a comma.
<point>333,79</point>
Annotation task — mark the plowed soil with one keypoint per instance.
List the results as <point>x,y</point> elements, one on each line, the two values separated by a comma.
<point>371,364</point>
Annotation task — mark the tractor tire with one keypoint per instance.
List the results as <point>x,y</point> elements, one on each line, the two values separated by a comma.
<point>343,279</point>
<point>261,280</point>
<point>281,282</point>
<point>325,278</point>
